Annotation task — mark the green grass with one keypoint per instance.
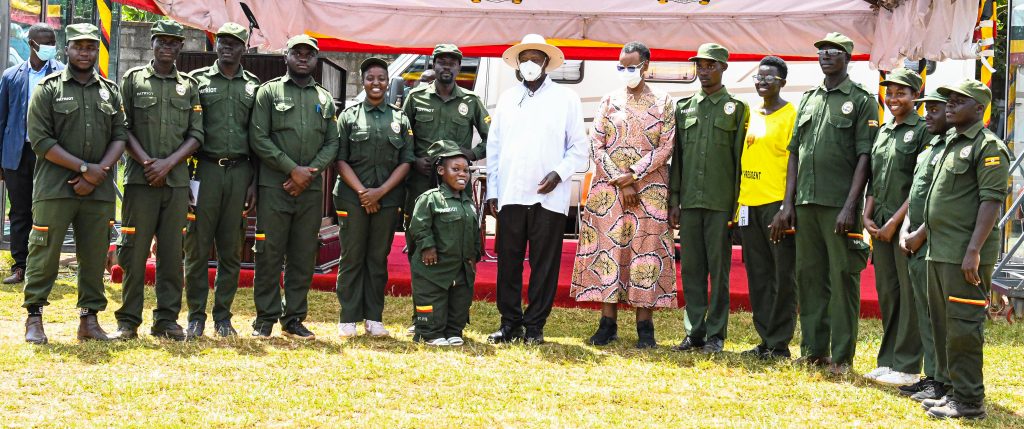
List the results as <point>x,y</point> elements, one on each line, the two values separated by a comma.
<point>392,382</point>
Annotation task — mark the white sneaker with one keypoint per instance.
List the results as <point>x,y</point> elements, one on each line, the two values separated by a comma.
<point>896,378</point>
<point>877,372</point>
<point>346,330</point>
<point>438,342</point>
<point>455,341</point>
<point>376,329</point>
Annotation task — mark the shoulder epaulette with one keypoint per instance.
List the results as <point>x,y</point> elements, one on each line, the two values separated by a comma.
<point>276,79</point>
<point>418,88</point>
<point>250,75</point>
<point>51,76</point>
<point>134,69</point>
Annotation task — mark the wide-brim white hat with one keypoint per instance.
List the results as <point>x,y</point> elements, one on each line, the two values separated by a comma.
<point>534,41</point>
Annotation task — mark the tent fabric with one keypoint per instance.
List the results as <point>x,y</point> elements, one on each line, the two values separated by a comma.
<point>932,29</point>
<point>146,5</point>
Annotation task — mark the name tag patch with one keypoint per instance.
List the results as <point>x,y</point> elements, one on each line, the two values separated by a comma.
<point>446,210</point>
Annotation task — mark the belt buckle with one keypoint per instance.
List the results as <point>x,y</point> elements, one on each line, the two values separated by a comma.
<point>224,162</point>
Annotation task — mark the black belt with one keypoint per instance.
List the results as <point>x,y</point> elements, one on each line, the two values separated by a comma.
<point>223,162</point>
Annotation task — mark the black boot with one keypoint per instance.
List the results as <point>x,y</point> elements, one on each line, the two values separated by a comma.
<point>607,331</point>
<point>645,335</point>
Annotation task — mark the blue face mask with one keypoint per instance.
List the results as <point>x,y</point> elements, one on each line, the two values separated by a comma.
<point>46,52</point>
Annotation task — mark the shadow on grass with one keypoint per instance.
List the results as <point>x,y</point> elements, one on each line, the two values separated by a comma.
<point>998,415</point>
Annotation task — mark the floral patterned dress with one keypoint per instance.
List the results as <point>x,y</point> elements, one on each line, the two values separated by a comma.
<point>626,254</point>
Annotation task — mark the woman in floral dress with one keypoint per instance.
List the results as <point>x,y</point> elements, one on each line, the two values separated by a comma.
<point>625,251</point>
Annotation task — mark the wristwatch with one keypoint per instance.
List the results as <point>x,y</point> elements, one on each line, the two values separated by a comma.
<point>83,168</point>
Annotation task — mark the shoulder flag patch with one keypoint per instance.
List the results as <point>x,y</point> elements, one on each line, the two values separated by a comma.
<point>991,161</point>
<point>873,123</point>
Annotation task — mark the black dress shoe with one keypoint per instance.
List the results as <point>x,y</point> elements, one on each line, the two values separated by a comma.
<point>534,337</point>
<point>757,352</point>
<point>714,345</point>
<point>820,361</point>
<point>955,409</point>
<point>224,328</point>
<point>168,330</point>
<point>34,333</point>
<point>298,331</point>
<point>17,276</point>
<point>911,389</point>
<point>195,328</point>
<point>689,344</point>
<point>933,390</point>
<point>262,330</point>
<point>645,335</point>
<point>777,354</point>
<point>607,331</point>
<point>928,404</point>
<point>89,329</point>
<point>506,334</point>
<point>124,333</point>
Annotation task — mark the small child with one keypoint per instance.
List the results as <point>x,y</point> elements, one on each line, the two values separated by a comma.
<point>446,234</point>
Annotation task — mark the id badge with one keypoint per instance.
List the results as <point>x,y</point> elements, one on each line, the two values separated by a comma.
<point>744,216</point>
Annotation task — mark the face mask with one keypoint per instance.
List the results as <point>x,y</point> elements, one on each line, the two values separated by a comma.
<point>46,52</point>
<point>630,79</point>
<point>530,71</point>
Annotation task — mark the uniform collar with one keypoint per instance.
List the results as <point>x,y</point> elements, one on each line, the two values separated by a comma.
<point>456,92</point>
<point>288,78</point>
<point>910,120</point>
<point>448,192</point>
<point>843,87</point>
<point>215,70</point>
<point>368,107</point>
<point>150,71</point>
<point>715,98</point>
<point>973,131</point>
<point>65,75</point>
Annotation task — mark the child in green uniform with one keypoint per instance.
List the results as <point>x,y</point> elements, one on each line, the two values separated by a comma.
<point>446,234</point>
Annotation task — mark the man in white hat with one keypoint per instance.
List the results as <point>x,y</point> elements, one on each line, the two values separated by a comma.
<point>536,143</point>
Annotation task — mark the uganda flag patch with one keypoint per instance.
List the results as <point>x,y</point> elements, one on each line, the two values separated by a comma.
<point>977,302</point>
<point>873,123</point>
<point>191,217</point>
<point>197,108</point>
<point>991,161</point>
<point>342,213</point>
<point>261,237</point>
<point>128,230</point>
<point>40,228</point>
<point>424,308</point>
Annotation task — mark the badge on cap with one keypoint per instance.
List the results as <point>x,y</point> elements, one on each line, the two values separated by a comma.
<point>180,89</point>
<point>104,94</point>
<point>463,109</point>
<point>250,88</point>
<point>396,127</point>
<point>908,136</point>
<point>965,152</point>
<point>847,107</point>
<point>729,108</point>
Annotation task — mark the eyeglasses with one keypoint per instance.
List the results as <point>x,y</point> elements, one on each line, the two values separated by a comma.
<point>630,69</point>
<point>766,79</point>
<point>831,52</point>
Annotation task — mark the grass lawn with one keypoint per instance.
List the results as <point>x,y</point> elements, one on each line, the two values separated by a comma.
<point>392,382</point>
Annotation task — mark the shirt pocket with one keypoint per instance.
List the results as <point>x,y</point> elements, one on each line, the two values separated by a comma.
<point>64,113</point>
<point>449,227</point>
<point>906,155</point>
<point>425,126</point>
<point>843,127</point>
<point>725,127</point>
<point>285,108</point>
<point>395,147</point>
<point>144,110</point>
<point>690,129</point>
<point>460,126</point>
<point>359,146</point>
<point>180,107</point>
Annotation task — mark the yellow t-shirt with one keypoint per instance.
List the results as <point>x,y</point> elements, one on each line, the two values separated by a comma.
<point>765,156</point>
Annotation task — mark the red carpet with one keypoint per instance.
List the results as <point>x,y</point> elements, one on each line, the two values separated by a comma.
<point>400,281</point>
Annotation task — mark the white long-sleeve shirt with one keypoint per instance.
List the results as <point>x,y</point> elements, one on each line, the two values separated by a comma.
<point>531,136</point>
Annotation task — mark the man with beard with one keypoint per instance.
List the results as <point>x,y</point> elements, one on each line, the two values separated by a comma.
<point>165,126</point>
<point>76,126</point>
<point>225,174</point>
<point>293,133</point>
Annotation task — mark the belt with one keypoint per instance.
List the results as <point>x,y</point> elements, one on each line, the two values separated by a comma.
<point>223,162</point>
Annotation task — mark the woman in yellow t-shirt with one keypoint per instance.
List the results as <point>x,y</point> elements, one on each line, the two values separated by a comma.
<point>770,266</point>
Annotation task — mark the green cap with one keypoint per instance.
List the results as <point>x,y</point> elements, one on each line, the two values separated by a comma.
<point>447,48</point>
<point>444,149</point>
<point>933,95</point>
<point>167,27</point>
<point>302,39</point>
<point>372,61</point>
<point>837,39</point>
<point>971,88</point>
<point>234,30</point>
<point>904,76</point>
<point>711,51</point>
<point>82,32</point>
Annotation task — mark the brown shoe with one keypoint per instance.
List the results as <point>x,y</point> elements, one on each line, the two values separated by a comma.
<point>34,330</point>
<point>89,329</point>
<point>17,276</point>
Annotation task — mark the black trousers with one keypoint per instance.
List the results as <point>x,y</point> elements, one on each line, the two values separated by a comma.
<point>518,227</point>
<point>19,191</point>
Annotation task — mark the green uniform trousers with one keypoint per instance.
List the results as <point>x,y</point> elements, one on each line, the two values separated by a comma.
<point>160,213</point>
<point>901,344</point>
<point>770,278</point>
<point>363,270</point>
<point>706,250</point>
<point>957,311</point>
<point>828,283</point>
<point>91,220</point>
<point>441,312</point>
<point>285,225</point>
<point>919,287</point>
<point>218,222</point>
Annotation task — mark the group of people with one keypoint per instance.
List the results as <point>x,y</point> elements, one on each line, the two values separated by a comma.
<point>799,183</point>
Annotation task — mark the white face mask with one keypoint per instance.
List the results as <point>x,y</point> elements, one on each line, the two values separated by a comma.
<point>631,79</point>
<point>46,52</point>
<point>530,70</point>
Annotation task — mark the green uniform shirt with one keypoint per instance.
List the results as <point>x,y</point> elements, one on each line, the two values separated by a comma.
<point>292,126</point>
<point>710,130</point>
<point>227,105</point>
<point>923,173</point>
<point>974,167</point>
<point>833,129</point>
<point>893,158</point>
<point>374,141</point>
<point>449,224</point>
<point>161,111</point>
<point>83,120</point>
<point>434,119</point>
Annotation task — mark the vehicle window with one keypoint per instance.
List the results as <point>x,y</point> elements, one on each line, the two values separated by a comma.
<point>465,79</point>
<point>570,72</point>
<point>671,71</point>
